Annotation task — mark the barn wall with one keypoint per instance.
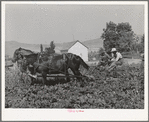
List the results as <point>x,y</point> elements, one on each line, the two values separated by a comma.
<point>80,50</point>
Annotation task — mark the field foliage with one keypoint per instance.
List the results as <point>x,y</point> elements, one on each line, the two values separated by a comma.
<point>124,89</point>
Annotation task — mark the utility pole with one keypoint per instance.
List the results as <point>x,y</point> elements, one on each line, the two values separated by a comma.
<point>72,33</point>
<point>73,37</point>
<point>41,48</point>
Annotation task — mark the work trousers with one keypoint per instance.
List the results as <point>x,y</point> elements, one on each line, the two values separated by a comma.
<point>114,64</point>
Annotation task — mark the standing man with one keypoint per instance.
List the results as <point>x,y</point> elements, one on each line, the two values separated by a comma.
<point>117,59</point>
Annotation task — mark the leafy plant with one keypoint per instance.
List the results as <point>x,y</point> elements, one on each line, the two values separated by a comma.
<point>124,92</point>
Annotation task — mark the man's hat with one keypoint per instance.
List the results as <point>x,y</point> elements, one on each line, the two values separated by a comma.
<point>113,50</point>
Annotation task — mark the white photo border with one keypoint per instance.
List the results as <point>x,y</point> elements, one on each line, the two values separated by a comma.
<point>63,114</point>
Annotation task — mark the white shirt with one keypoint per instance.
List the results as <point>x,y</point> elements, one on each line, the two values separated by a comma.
<point>118,56</point>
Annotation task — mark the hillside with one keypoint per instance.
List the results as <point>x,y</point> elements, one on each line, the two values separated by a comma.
<point>11,46</point>
<point>94,43</point>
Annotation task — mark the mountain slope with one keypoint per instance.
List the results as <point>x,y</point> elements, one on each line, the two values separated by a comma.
<point>94,43</point>
<point>11,46</point>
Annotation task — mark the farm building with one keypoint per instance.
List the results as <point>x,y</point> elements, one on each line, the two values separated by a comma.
<point>77,48</point>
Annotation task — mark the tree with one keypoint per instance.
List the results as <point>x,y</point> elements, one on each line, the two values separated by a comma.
<point>138,46</point>
<point>109,36</point>
<point>101,50</point>
<point>50,50</point>
<point>52,45</point>
<point>141,45</point>
<point>41,48</point>
<point>118,36</point>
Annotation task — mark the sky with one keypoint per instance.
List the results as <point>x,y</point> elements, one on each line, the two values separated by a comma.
<point>38,23</point>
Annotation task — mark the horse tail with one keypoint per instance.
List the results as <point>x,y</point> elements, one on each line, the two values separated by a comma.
<point>83,63</point>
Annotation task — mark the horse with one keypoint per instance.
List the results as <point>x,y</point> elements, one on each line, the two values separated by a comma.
<point>19,53</point>
<point>56,65</point>
<point>18,58</point>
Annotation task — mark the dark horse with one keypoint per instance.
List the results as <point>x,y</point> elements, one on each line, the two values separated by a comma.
<point>61,64</point>
<point>18,57</point>
<point>49,65</point>
<point>19,54</point>
<point>57,64</point>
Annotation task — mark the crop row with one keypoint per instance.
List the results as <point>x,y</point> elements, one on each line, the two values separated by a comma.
<point>126,91</point>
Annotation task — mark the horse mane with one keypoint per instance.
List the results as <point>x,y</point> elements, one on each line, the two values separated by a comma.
<point>25,50</point>
<point>76,59</point>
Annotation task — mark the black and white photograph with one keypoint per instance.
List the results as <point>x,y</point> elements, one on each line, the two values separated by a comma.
<point>74,60</point>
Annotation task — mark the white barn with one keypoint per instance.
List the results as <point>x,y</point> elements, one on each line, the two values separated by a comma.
<point>77,48</point>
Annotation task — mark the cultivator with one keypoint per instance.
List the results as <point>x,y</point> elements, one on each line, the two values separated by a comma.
<point>100,72</point>
<point>97,72</point>
<point>94,73</point>
<point>61,75</point>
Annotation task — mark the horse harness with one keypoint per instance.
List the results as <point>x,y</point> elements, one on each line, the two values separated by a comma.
<point>64,58</point>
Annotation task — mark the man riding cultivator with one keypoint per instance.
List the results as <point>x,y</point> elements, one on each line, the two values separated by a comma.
<point>116,60</point>
<point>111,61</point>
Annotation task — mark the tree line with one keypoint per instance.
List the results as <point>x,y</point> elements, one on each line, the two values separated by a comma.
<point>122,37</point>
<point>48,50</point>
<point>119,36</point>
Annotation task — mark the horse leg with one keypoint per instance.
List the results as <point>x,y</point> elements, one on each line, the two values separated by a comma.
<point>67,76</point>
<point>77,73</point>
<point>31,71</point>
<point>32,81</point>
<point>79,78</point>
<point>44,76</point>
<point>21,77</point>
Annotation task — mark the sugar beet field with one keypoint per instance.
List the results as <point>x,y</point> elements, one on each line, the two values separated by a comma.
<point>123,89</point>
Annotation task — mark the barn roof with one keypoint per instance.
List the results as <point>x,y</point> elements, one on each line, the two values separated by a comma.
<point>70,44</point>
